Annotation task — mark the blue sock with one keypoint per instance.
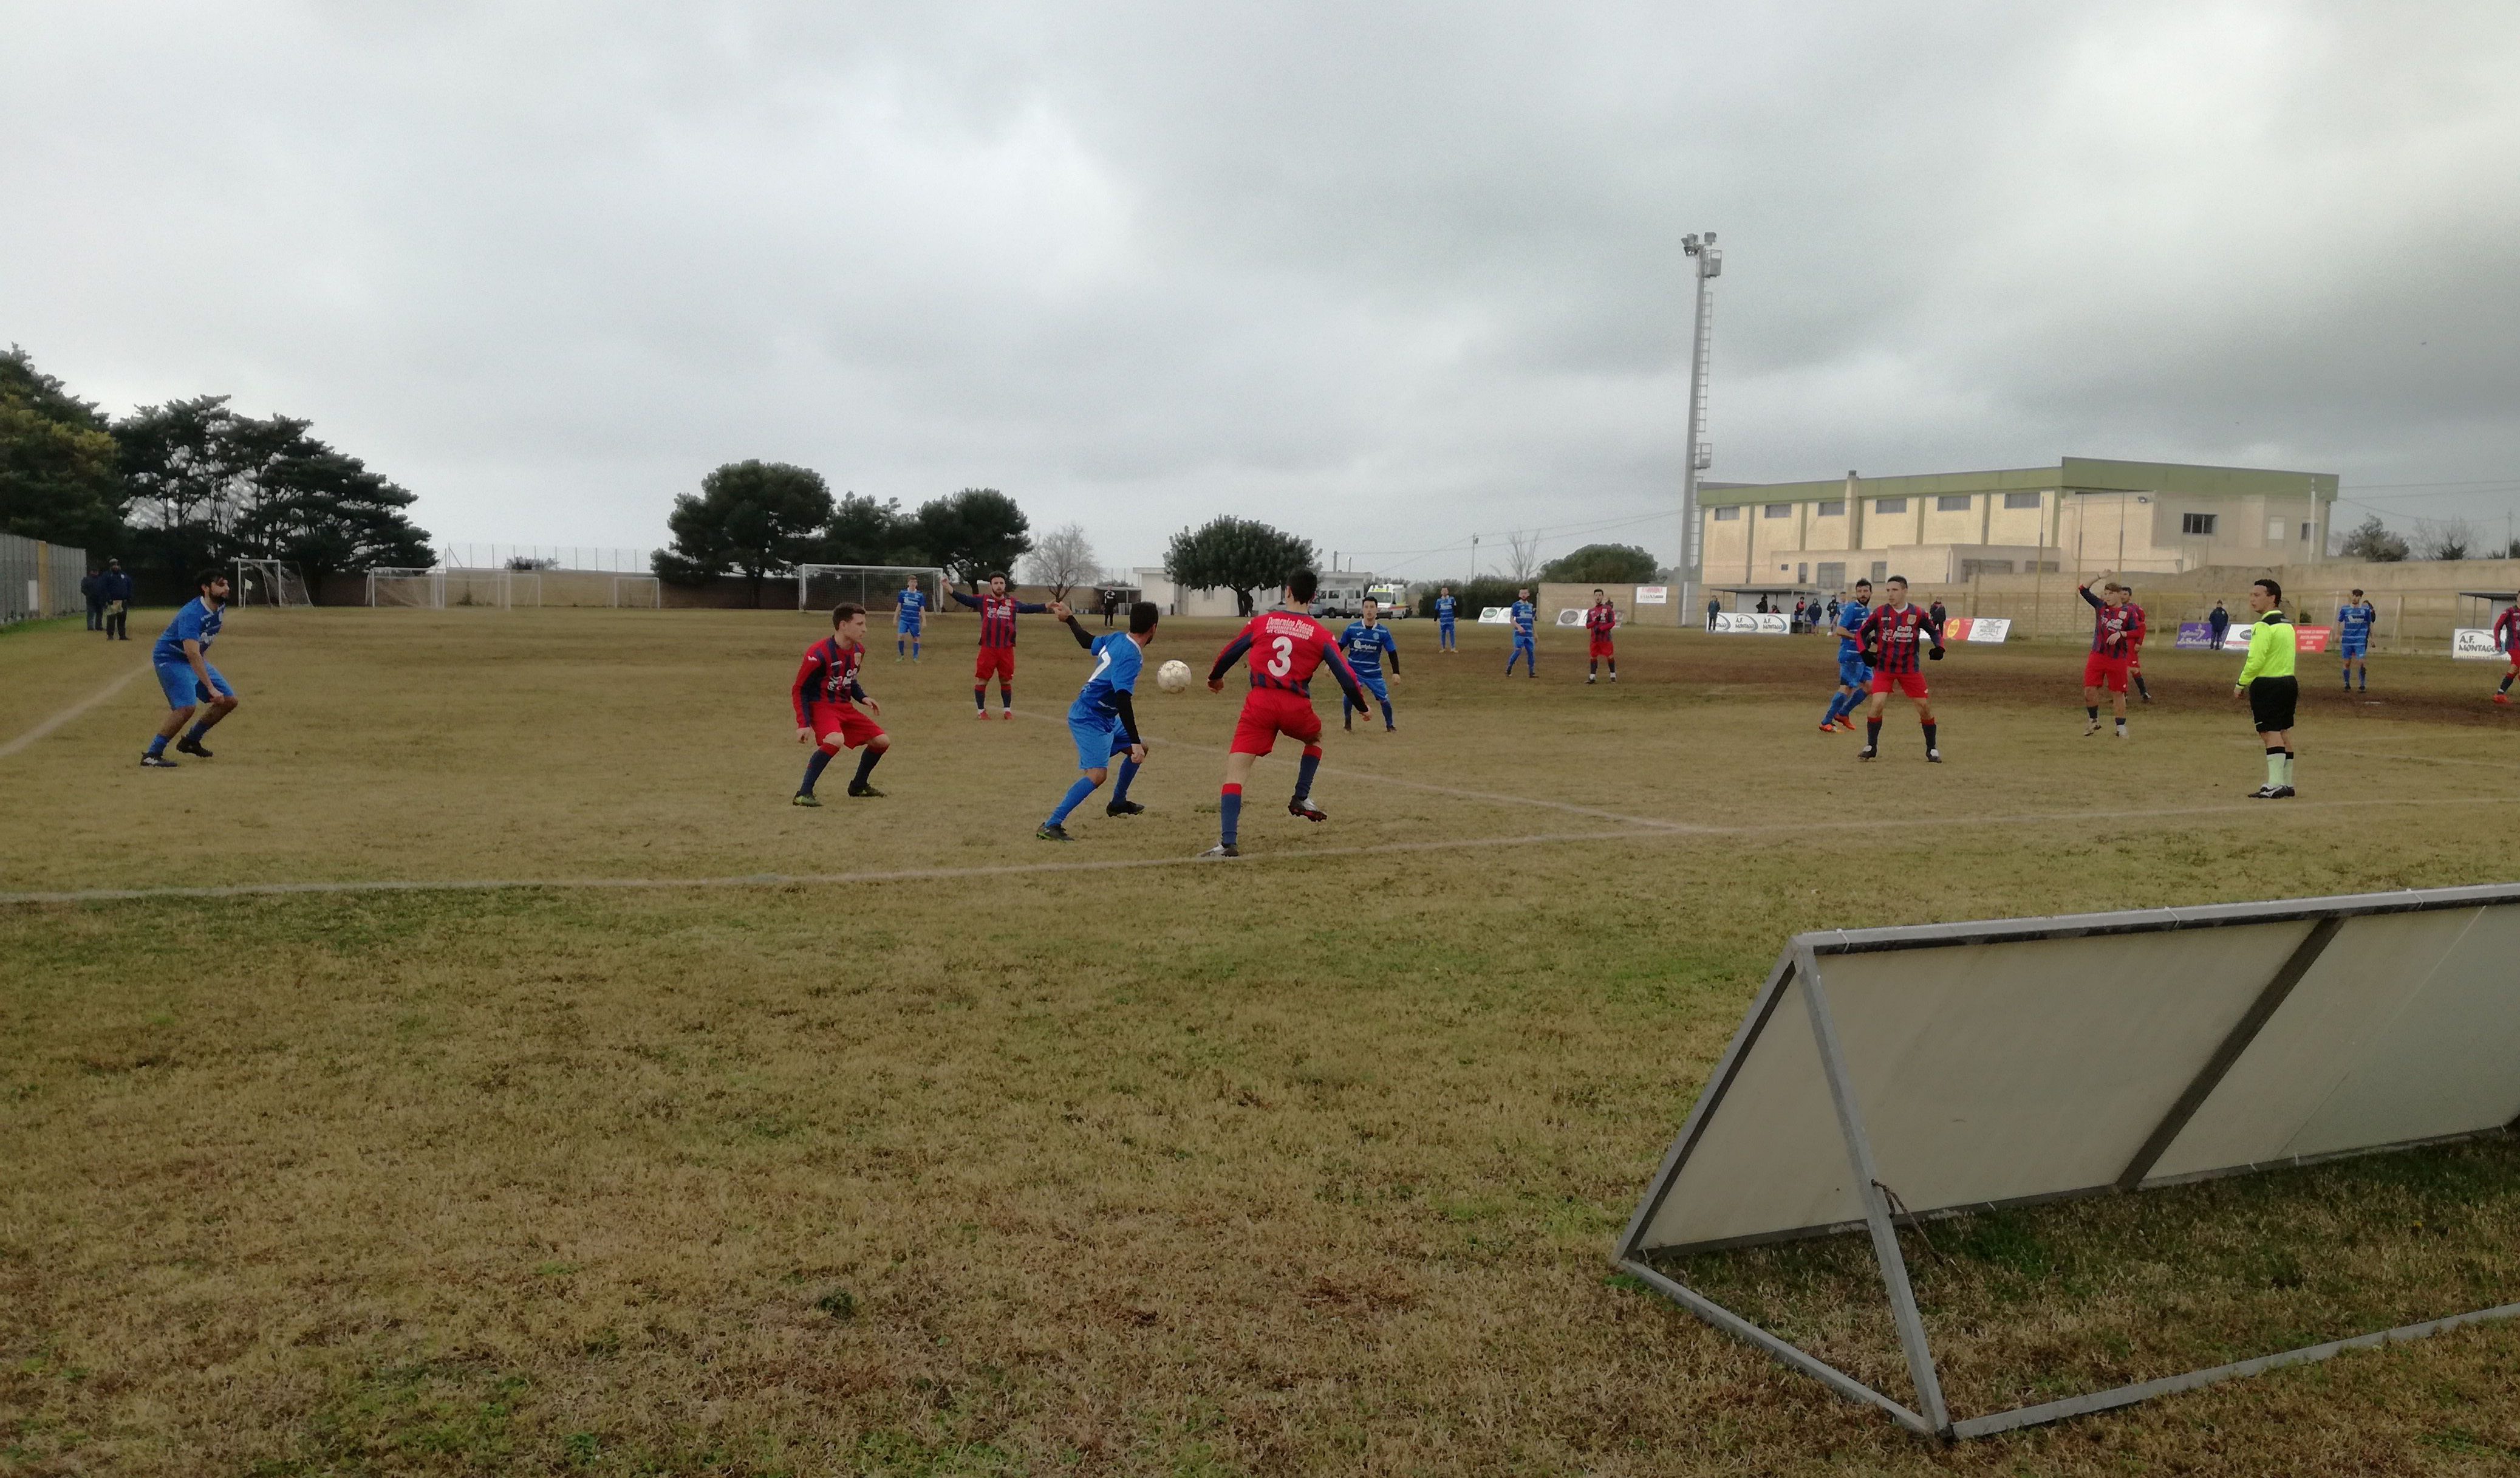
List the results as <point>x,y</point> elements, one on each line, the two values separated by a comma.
<point>157,744</point>
<point>1128,773</point>
<point>814,770</point>
<point>1312,761</point>
<point>1229,813</point>
<point>1386,713</point>
<point>195,733</point>
<point>914,648</point>
<point>898,644</point>
<point>1074,798</point>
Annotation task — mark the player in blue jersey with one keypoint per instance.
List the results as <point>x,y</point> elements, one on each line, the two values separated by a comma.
<point>1854,679</point>
<point>1102,720</point>
<point>1445,609</point>
<point>1364,644</point>
<point>182,657</point>
<point>2354,621</point>
<point>910,619</point>
<point>1523,616</point>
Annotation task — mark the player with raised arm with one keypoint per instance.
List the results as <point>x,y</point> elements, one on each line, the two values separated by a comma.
<point>1365,643</point>
<point>1853,678</point>
<point>2354,621</point>
<point>2115,628</point>
<point>909,618</point>
<point>182,657</point>
<point>1523,616</point>
<point>2507,640</point>
<point>1892,636</point>
<point>1283,647</point>
<point>2274,693</point>
<point>824,695</point>
<point>998,612</point>
<point>1102,721</point>
<point>1600,622</point>
<point>1447,608</point>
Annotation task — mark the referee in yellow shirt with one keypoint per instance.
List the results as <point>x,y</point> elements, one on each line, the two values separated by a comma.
<point>2273,691</point>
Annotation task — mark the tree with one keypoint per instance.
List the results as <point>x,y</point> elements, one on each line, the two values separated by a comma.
<point>862,531</point>
<point>1522,556</point>
<point>1062,560</point>
<point>2371,540</point>
<point>1240,554</point>
<point>327,512</point>
<point>752,517</point>
<point>58,479</point>
<point>973,534</point>
<point>2449,539</point>
<point>1601,564</point>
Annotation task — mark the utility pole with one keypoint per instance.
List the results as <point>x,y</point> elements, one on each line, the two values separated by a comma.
<point>1708,263</point>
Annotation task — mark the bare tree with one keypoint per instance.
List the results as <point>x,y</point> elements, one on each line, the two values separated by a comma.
<point>1522,556</point>
<point>2447,539</point>
<point>1062,560</point>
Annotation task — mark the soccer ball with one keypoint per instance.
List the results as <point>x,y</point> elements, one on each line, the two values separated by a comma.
<point>1173,676</point>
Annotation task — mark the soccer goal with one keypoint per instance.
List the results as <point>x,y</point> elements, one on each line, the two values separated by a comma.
<point>820,587</point>
<point>269,582</point>
<point>423,589</point>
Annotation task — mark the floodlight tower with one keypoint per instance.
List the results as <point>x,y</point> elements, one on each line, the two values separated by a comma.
<point>1709,265</point>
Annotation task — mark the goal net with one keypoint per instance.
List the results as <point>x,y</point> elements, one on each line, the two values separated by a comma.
<point>422,588</point>
<point>877,587</point>
<point>269,582</point>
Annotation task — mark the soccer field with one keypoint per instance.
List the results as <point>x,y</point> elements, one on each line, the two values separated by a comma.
<point>683,1130</point>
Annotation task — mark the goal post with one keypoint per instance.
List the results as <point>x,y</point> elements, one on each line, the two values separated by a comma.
<point>406,586</point>
<point>269,582</point>
<point>877,587</point>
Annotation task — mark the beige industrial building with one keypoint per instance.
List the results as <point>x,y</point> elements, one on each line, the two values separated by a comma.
<point>2085,514</point>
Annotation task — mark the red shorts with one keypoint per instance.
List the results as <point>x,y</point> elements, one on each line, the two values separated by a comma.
<point>853,727</point>
<point>1268,712</point>
<point>1912,684</point>
<point>1600,647</point>
<point>995,661</point>
<point>2102,671</point>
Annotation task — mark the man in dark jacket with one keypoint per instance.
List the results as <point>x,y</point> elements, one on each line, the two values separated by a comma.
<point>115,587</point>
<point>93,589</point>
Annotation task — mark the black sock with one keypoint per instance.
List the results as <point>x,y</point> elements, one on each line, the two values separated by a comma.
<point>866,766</point>
<point>814,771</point>
<point>1871,734</point>
<point>980,697</point>
<point>2094,709</point>
<point>1929,738</point>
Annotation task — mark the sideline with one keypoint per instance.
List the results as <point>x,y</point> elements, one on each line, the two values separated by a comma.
<point>1649,833</point>
<point>49,725</point>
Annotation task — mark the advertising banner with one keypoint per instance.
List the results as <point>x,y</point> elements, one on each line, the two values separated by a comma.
<point>1495,615</point>
<point>2309,638</point>
<point>1653,595</point>
<point>2196,636</point>
<point>2474,643</point>
<point>1751,623</point>
<point>1988,629</point>
<point>1570,617</point>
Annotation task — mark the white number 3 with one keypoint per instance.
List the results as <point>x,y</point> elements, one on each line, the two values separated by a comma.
<point>1284,662</point>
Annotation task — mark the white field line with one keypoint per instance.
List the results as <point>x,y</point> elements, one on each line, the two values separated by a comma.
<point>71,712</point>
<point>1117,864</point>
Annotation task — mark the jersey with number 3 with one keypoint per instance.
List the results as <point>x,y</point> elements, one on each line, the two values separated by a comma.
<point>1283,648</point>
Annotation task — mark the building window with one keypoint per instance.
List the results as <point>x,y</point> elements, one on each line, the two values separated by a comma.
<point>2021,500</point>
<point>2196,523</point>
<point>1952,502</point>
<point>2305,533</point>
<point>1881,571</point>
<point>1972,568</point>
<point>1777,510</point>
<point>1802,573</point>
<point>1832,507</point>
<point>1833,574</point>
<point>1889,505</point>
<point>1727,514</point>
<point>2049,566</point>
<point>2274,531</point>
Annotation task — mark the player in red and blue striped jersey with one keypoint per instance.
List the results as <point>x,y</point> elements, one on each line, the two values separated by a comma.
<point>826,688</point>
<point>2116,629</point>
<point>2507,641</point>
<point>1897,638</point>
<point>1285,646</point>
<point>998,612</point>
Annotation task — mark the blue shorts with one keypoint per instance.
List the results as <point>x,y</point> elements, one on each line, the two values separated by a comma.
<point>1444,624</point>
<point>1098,738</point>
<point>1852,673</point>
<point>909,626</point>
<point>1371,683</point>
<point>183,690</point>
<point>1522,639</point>
<point>2353,647</point>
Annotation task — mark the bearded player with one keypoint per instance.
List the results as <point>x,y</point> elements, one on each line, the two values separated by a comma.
<point>998,612</point>
<point>824,695</point>
<point>1283,646</point>
<point>1892,636</point>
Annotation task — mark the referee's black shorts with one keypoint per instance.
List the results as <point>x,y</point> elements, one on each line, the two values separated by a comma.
<point>2272,701</point>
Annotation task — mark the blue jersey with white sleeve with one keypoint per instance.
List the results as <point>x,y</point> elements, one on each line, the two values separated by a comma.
<point>199,621</point>
<point>1524,613</point>
<point>1445,606</point>
<point>1364,646</point>
<point>1117,662</point>
<point>910,606</point>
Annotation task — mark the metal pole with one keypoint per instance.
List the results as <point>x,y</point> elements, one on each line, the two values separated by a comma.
<point>1707,263</point>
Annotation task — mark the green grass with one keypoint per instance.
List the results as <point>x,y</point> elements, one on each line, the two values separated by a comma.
<point>1308,1164</point>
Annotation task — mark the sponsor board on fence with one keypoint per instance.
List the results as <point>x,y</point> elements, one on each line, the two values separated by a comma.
<point>2198,636</point>
<point>1570,617</point>
<point>1653,595</point>
<point>1495,615</point>
<point>2474,643</point>
<point>1750,623</point>
<point>2310,638</point>
<point>2304,638</point>
<point>1977,629</point>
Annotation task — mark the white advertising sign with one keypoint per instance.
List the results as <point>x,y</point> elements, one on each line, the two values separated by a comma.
<point>1989,628</point>
<point>1570,617</point>
<point>1750,623</point>
<point>2473,642</point>
<point>2236,639</point>
<point>1653,595</point>
<point>1495,615</point>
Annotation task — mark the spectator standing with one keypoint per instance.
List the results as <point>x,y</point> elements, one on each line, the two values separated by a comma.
<point>117,602</point>
<point>92,590</point>
<point>2218,622</point>
<point>1714,609</point>
<point>1935,613</point>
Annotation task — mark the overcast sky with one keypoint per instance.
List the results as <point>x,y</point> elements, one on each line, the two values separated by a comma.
<point>1383,275</point>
